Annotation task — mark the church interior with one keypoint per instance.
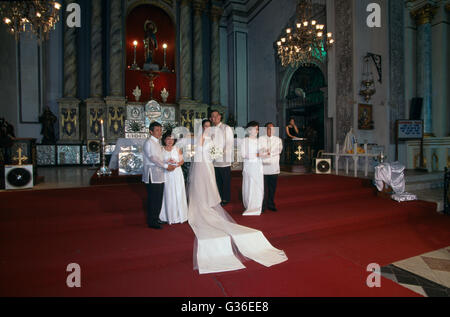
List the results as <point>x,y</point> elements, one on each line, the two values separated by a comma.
<point>364,181</point>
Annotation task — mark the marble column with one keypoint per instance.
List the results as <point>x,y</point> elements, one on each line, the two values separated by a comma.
<point>423,17</point>
<point>185,51</point>
<point>116,102</point>
<point>344,69</point>
<point>70,60</point>
<point>199,6</point>
<point>69,105</point>
<point>96,50</point>
<point>397,98</point>
<point>216,13</point>
<point>116,75</point>
<point>95,105</point>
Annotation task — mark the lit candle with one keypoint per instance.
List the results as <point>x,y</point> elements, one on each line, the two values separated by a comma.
<point>134,66</point>
<point>165,48</point>
<point>101,129</point>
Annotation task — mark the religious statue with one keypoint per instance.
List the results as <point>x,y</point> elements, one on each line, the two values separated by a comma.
<point>48,120</point>
<point>150,42</point>
<point>6,141</point>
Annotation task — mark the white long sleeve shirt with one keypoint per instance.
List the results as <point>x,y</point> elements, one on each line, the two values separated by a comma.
<point>274,146</point>
<point>154,165</point>
<point>223,137</point>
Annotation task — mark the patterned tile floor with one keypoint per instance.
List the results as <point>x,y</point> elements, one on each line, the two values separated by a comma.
<point>427,274</point>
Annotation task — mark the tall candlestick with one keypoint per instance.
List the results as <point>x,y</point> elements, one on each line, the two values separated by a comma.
<point>104,170</point>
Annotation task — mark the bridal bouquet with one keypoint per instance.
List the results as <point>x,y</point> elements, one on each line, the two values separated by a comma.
<point>215,152</point>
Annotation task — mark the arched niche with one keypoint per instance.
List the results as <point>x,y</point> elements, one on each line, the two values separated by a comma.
<point>309,110</point>
<point>137,15</point>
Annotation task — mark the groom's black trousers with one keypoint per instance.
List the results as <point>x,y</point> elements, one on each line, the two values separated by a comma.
<point>270,186</point>
<point>154,202</point>
<point>223,181</point>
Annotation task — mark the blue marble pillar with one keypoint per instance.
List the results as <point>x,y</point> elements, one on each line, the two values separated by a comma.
<point>424,79</point>
<point>424,16</point>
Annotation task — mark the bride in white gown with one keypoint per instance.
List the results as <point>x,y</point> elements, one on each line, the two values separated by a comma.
<point>219,240</point>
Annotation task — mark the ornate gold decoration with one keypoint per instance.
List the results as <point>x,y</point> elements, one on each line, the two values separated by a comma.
<point>116,119</point>
<point>199,6</point>
<point>216,12</point>
<point>38,16</point>
<point>19,157</point>
<point>95,116</point>
<point>307,41</point>
<point>187,118</point>
<point>417,160</point>
<point>434,159</point>
<point>424,14</point>
<point>69,120</point>
<point>299,153</point>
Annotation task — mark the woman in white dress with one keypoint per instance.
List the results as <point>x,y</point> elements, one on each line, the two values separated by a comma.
<point>174,207</point>
<point>220,243</point>
<point>252,173</point>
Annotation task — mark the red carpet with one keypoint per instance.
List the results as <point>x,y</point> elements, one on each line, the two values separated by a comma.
<point>330,227</point>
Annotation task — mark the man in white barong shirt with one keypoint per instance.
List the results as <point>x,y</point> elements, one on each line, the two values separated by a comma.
<point>153,175</point>
<point>272,146</point>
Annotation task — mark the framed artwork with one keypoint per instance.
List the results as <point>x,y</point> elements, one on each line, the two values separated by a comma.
<point>365,121</point>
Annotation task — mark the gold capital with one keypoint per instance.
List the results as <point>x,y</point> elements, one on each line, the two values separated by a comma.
<point>424,14</point>
<point>216,12</point>
<point>199,6</point>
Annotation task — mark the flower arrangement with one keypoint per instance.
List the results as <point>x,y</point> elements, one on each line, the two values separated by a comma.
<point>215,152</point>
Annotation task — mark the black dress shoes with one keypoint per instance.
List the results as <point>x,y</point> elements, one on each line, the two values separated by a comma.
<point>155,226</point>
<point>224,203</point>
<point>162,222</point>
<point>273,209</point>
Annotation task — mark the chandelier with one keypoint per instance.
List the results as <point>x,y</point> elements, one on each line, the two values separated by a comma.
<point>39,17</point>
<point>305,42</point>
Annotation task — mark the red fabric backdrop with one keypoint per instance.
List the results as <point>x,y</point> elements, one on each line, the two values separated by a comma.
<point>164,34</point>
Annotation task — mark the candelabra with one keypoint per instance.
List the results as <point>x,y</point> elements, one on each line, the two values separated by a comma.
<point>104,170</point>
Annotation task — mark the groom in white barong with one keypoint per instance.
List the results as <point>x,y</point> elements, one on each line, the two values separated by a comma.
<point>223,137</point>
<point>220,242</point>
<point>273,146</point>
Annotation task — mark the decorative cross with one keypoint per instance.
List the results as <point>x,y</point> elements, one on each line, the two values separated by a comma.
<point>19,157</point>
<point>299,152</point>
